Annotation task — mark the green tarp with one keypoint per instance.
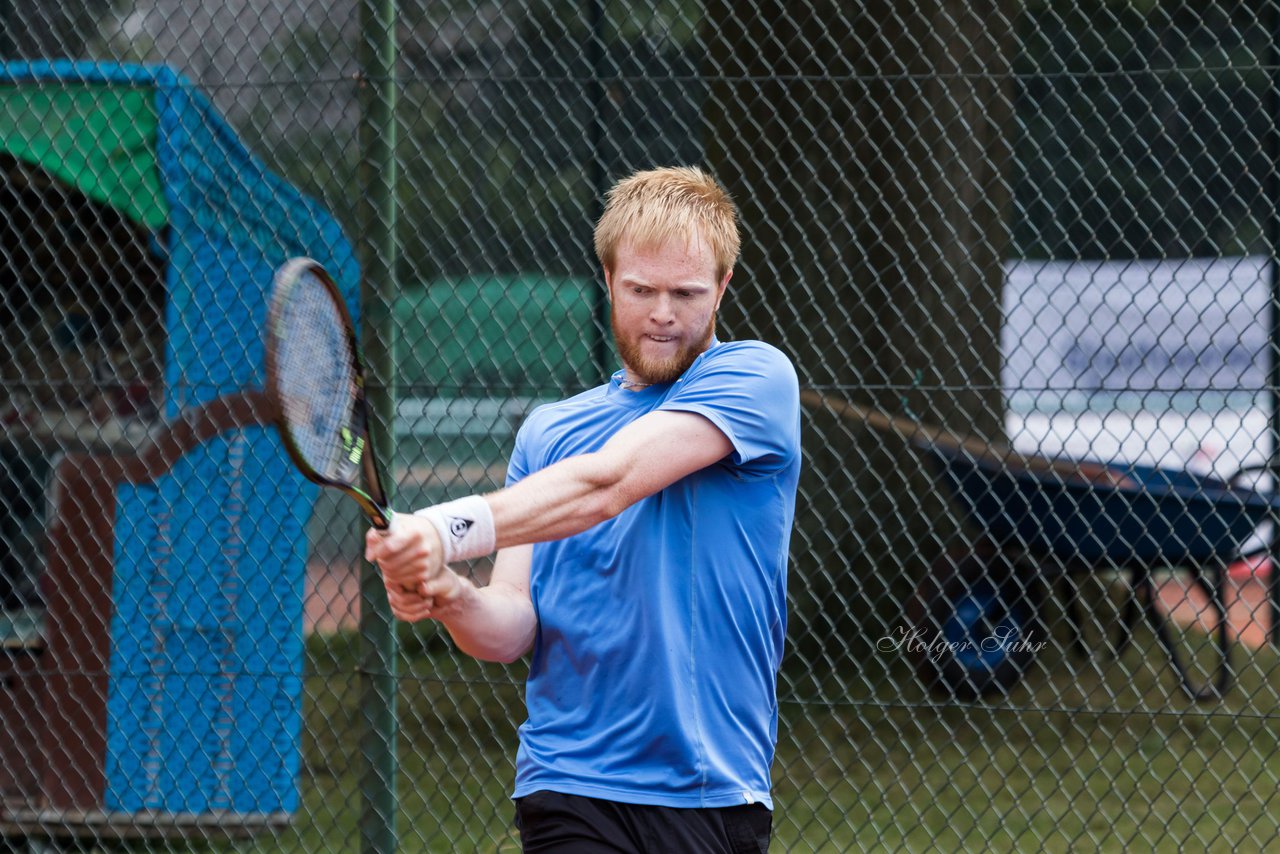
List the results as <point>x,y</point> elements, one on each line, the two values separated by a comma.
<point>99,139</point>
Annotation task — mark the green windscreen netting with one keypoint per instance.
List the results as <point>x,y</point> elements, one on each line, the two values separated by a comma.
<point>99,139</point>
<point>480,335</point>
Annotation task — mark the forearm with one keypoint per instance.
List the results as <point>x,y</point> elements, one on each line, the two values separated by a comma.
<point>494,623</point>
<point>557,502</point>
<point>580,492</point>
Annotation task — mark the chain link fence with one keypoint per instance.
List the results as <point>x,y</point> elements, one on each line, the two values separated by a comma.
<point>1021,254</point>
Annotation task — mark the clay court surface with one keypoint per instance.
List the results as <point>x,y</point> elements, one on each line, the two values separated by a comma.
<point>333,596</point>
<point>1248,611</point>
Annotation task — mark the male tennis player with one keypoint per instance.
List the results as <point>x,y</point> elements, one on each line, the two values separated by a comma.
<point>661,506</point>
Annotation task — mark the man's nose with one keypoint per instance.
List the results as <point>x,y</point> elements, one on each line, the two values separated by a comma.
<point>663,310</point>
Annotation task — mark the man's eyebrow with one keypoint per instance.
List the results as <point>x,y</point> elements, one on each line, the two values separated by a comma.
<point>681,286</point>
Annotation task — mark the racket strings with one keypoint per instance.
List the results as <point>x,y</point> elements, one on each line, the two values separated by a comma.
<point>317,381</point>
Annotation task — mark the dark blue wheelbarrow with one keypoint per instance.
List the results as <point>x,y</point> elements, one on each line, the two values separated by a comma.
<point>1039,518</point>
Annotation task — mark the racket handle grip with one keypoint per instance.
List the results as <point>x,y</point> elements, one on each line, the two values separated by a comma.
<point>392,523</point>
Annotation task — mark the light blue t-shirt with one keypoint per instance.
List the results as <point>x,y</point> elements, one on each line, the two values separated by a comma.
<point>660,631</point>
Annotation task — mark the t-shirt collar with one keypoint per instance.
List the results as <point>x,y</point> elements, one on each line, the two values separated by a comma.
<point>616,392</point>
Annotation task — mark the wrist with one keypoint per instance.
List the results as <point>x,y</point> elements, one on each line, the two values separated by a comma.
<point>465,527</point>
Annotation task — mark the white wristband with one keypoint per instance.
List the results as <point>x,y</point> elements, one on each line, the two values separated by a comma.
<point>465,527</point>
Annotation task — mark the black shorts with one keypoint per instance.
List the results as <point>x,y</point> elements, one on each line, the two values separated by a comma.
<point>572,824</point>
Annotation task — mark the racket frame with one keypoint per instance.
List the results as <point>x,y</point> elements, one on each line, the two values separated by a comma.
<point>373,503</point>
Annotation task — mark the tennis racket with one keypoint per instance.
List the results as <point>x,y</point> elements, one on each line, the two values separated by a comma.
<point>316,390</point>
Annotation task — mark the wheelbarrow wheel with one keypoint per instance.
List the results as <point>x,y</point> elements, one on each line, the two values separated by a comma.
<point>976,625</point>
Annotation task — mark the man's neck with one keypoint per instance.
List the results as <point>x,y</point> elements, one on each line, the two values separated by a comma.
<point>632,385</point>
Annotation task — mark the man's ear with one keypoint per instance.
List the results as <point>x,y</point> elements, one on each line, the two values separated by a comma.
<point>608,284</point>
<point>724,285</point>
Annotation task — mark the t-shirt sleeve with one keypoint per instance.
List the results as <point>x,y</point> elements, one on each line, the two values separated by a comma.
<point>749,390</point>
<point>518,465</point>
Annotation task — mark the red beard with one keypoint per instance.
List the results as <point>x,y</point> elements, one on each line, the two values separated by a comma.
<point>658,371</point>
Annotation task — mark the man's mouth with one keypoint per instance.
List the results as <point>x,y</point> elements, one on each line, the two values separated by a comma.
<point>661,339</point>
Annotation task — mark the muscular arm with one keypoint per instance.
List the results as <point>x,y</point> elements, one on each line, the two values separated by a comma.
<point>575,494</point>
<point>559,501</point>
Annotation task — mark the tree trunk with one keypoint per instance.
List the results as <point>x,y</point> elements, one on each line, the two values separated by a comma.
<point>868,147</point>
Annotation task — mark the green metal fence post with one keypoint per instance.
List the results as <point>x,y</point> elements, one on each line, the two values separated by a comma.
<point>377,241</point>
<point>595,51</point>
<point>1273,337</point>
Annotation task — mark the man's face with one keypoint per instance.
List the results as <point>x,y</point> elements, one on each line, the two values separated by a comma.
<point>663,307</point>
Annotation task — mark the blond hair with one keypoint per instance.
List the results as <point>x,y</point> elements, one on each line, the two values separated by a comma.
<point>651,208</point>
